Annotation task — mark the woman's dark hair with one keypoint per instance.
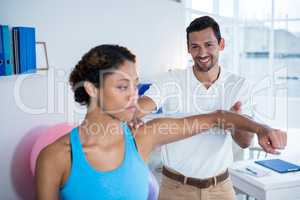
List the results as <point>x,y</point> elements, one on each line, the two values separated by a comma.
<point>89,68</point>
<point>201,23</point>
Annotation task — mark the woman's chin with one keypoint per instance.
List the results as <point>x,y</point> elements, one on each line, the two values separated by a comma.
<point>128,117</point>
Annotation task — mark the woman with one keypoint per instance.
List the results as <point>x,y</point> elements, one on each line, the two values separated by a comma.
<point>103,158</point>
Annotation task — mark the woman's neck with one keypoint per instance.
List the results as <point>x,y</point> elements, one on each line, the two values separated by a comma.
<point>100,126</point>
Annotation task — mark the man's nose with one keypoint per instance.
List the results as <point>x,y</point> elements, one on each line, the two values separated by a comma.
<point>201,52</point>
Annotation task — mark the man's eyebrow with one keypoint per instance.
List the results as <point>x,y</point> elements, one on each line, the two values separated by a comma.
<point>211,41</point>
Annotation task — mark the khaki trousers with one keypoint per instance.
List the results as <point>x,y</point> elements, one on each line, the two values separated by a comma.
<point>174,190</point>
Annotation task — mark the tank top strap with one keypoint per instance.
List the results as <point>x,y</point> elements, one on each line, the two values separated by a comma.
<point>130,141</point>
<point>127,131</point>
<point>76,148</point>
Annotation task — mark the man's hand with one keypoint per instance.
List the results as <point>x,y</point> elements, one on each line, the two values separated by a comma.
<point>135,123</point>
<point>271,139</point>
<point>236,107</point>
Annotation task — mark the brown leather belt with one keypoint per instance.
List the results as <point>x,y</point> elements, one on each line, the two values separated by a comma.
<point>200,183</point>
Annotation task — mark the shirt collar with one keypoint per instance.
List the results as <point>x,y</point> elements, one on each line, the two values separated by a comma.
<point>221,77</point>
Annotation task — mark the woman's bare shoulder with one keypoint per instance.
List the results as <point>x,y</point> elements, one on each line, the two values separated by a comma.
<point>57,153</point>
<point>52,164</point>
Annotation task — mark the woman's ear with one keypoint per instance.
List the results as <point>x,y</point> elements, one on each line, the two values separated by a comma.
<point>90,89</point>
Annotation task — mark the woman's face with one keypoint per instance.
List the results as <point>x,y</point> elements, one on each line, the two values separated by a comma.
<point>119,93</point>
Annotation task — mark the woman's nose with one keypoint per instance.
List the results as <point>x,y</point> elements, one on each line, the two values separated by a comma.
<point>134,94</point>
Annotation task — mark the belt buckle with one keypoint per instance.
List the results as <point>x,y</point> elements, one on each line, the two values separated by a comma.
<point>215,181</point>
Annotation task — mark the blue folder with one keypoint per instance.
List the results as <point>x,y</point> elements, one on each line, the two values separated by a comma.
<point>143,87</point>
<point>24,49</point>
<point>6,47</point>
<point>15,34</point>
<point>279,165</point>
<point>2,69</point>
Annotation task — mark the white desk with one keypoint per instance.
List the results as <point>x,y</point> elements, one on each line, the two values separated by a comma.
<point>274,186</point>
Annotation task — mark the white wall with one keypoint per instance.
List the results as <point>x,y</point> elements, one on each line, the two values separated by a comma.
<point>153,30</point>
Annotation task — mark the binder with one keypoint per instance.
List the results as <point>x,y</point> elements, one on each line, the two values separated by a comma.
<point>24,49</point>
<point>2,69</point>
<point>6,45</point>
<point>15,33</point>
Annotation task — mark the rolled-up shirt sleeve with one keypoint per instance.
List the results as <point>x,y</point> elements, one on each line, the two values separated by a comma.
<point>156,91</point>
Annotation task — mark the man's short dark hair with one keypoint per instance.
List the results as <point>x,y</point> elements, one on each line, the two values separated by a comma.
<point>201,23</point>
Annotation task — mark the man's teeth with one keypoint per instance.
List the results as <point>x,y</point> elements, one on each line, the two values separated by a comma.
<point>203,59</point>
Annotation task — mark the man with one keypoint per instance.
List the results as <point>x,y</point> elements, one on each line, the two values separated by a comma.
<point>196,168</point>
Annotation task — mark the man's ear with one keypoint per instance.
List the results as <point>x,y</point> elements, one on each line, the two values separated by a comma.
<point>90,89</point>
<point>222,44</point>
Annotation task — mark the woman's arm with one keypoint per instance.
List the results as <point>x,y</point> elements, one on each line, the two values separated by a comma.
<point>268,138</point>
<point>48,173</point>
<point>166,130</point>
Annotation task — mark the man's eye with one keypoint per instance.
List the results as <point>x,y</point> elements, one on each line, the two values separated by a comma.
<point>211,45</point>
